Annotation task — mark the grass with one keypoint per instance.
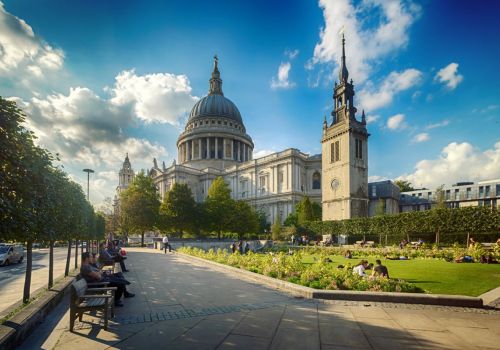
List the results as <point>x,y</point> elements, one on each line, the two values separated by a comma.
<point>436,276</point>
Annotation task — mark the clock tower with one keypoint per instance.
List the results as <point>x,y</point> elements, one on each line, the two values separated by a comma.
<point>344,154</point>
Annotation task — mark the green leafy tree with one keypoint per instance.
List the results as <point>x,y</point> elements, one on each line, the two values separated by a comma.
<point>219,207</point>
<point>140,205</point>
<point>276,229</point>
<point>380,207</point>
<point>178,210</point>
<point>291,220</point>
<point>305,211</point>
<point>263,224</point>
<point>244,219</point>
<point>404,186</point>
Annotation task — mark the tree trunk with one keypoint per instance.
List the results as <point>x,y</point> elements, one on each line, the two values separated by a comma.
<point>29,266</point>
<point>68,259</point>
<point>76,254</point>
<point>386,240</point>
<point>51,264</point>
<point>468,238</point>
<point>142,239</point>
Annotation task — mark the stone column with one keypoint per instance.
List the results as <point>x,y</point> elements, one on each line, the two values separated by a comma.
<point>244,152</point>
<point>199,148</point>
<point>208,147</point>
<point>216,147</point>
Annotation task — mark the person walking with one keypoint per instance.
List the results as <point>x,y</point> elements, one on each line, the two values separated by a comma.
<point>166,244</point>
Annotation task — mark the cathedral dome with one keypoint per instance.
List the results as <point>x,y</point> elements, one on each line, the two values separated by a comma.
<point>215,105</point>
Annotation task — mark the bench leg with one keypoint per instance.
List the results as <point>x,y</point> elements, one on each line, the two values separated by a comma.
<point>113,304</point>
<point>72,317</point>
<point>80,316</point>
<point>106,315</point>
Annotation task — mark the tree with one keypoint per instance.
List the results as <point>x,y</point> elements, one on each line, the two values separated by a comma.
<point>380,207</point>
<point>140,205</point>
<point>263,224</point>
<point>276,230</point>
<point>244,219</point>
<point>305,211</point>
<point>178,210</point>
<point>219,206</point>
<point>404,186</point>
<point>291,220</point>
<point>440,198</point>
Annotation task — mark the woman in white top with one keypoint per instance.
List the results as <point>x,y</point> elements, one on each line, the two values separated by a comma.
<point>360,269</point>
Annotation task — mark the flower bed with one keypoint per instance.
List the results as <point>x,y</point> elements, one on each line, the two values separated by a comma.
<point>319,275</point>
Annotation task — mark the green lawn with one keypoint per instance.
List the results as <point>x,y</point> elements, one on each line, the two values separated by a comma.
<point>437,276</point>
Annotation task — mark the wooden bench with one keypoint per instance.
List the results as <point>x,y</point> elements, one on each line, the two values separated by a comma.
<point>488,246</point>
<point>367,244</point>
<point>85,299</point>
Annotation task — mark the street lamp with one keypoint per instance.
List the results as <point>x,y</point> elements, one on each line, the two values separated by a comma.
<point>88,171</point>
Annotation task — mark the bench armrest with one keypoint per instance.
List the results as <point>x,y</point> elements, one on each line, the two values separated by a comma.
<point>98,284</point>
<point>93,296</point>
<point>101,289</point>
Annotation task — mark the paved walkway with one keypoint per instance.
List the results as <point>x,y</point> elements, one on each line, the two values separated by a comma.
<point>185,305</point>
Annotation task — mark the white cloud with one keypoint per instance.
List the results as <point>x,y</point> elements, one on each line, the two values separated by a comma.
<point>372,118</point>
<point>22,52</point>
<point>262,153</point>
<point>457,162</point>
<point>449,76</point>
<point>291,54</point>
<point>371,99</point>
<point>422,137</point>
<point>376,178</point>
<point>365,43</point>
<point>438,125</point>
<point>160,97</point>
<point>281,80</point>
<point>396,122</point>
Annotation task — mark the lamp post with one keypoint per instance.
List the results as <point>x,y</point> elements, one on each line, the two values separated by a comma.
<point>88,171</point>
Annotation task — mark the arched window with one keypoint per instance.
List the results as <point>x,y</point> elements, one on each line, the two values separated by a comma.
<point>339,102</point>
<point>316,181</point>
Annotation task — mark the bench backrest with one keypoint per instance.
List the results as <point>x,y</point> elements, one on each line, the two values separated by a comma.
<point>78,289</point>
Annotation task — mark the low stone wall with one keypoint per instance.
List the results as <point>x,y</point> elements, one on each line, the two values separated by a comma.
<point>311,293</point>
<point>207,245</point>
<point>20,326</point>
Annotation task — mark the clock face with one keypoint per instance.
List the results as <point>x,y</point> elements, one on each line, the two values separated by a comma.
<point>335,184</point>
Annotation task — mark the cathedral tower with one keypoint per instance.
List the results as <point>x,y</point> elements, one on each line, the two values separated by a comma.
<point>126,174</point>
<point>344,154</point>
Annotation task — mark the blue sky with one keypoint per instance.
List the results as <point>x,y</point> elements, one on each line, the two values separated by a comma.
<point>101,78</point>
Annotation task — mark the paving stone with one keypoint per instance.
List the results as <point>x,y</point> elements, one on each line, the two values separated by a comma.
<point>240,342</point>
<point>386,343</point>
<point>439,340</point>
<point>480,337</point>
<point>382,328</point>
<point>369,312</point>
<point>289,338</point>
<point>344,333</point>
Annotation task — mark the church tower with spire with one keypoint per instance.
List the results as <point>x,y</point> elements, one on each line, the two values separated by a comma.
<point>344,154</point>
<point>126,174</point>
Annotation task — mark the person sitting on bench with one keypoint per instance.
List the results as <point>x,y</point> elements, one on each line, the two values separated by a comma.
<point>106,254</point>
<point>92,275</point>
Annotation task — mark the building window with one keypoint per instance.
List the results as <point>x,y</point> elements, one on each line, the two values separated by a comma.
<point>487,191</point>
<point>498,190</point>
<point>420,194</point>
<point>447,195</point>
<point>280,177</point>
<point>316,185</point>
<point>481,191</point>
<point>262,181</point>
<point>335,151</point>
<point>374,191</point>
<point>429,195</point>
<point>469,192</point>
<point>359,148</point>
<point>457,194</point>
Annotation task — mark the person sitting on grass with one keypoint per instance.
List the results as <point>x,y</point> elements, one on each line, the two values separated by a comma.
<point>348,255</point>
<point>380,269</point>
<point>360,268</point>
<point>91,275</point>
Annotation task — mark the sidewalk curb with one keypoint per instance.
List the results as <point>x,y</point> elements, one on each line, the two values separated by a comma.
<point>20,326</point>
<point>311,293</point>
